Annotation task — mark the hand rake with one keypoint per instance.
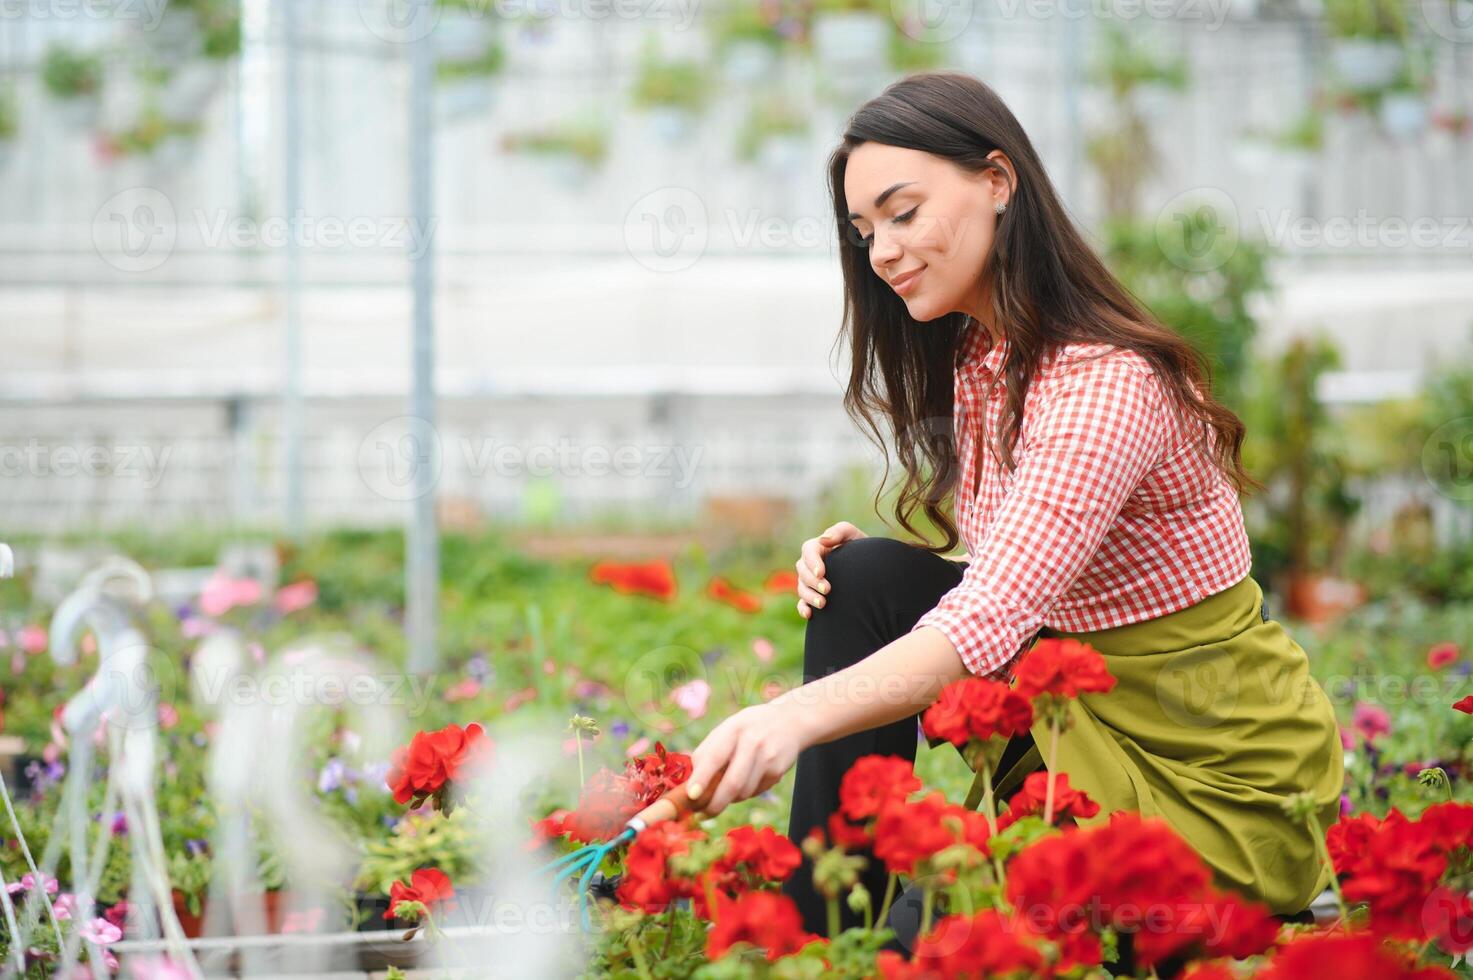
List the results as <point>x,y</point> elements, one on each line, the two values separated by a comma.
<point>673,805</point>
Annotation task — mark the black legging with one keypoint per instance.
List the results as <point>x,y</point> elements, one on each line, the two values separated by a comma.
<point>879,587</point>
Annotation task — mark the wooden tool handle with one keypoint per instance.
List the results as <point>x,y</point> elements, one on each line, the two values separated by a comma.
<point>676,802</point>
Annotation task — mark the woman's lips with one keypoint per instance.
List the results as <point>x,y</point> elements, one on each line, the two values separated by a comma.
<point>907,283</point>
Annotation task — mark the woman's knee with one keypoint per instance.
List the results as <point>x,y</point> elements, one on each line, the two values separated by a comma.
<point>865,565</point>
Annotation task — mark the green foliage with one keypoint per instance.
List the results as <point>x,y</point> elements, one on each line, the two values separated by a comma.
<point>69,73</point>
<point>9,113</point>
<point>489,63</point>
<point>675,84</point>
<point>1207,302</point>
<point>218,23</point>
<point>431,840</point>
<point>1369,19</point>
<point>768,118</point>
<point>1124,63</point>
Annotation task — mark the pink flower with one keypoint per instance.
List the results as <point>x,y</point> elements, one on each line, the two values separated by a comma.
<point>639,747</point>
<point>1347,738</point>
<point>101,932</point>
<point>168,715</point>
<point>194,627</point>
<point>588,690</point>
<point>298,595</point>
<point>763,649</point>
<point>33,639</point>
<point>89,643</point>
<point>519,698</point>
<point>1441,655</point>
<point>27,883</point>
<point>64,906</point>
<point>1371,721</point>
<point>463,690</point>
<point>223,593</point>
<point>692,696</point>
<point>156,968</point>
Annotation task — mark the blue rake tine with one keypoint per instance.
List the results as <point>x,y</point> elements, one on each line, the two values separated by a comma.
<point>598,859</point>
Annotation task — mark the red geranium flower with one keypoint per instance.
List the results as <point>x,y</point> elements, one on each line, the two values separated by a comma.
<point>429,886</point>
<point>723,591</point>
<point>610,798</point>
<point>909,833</point>
<point>781,582</point>
<point>431,759</point>
<point>648,883</point>
<point>1068,801</point>
<point>766,920</point>
<point>983,945</point>
<point>1399,867</point>
<point>1465,705</point>
<point>1062,668</point>
<point>871,781</point>
<point>977,708</point>
<point>652,578</point>
<point>1341,956</point>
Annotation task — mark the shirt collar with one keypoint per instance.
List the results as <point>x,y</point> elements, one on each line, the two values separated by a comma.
<point>976,358</point>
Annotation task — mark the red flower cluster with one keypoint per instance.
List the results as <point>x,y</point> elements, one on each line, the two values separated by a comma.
<point>1062,668</point>
<point>871,781</point>
<point>1030,800</point>
<point>610,798</point>
<point>429,886</point>
<point>655,579</point>
<point>781,582</point>
<point>908,833</point>
<point>1397,866</point>
<point>983,945</point>
<point>1137,875</point>
<point>765,920</point>
<point>648,882</point>
<point>754,857</point>
<point>976,708</point>
<point>431,759</point>
<point>723,591</point>
<point>1343,956</point>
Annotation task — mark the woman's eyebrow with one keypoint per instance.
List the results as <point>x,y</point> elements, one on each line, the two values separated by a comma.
<point>884,196</point>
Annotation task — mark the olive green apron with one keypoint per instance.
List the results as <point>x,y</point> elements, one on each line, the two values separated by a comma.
<point>1214,719</point>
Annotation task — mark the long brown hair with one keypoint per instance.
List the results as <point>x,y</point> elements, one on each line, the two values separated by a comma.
<point>1048,288</point>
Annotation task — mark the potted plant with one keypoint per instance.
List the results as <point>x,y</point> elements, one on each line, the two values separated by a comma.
<point>74,79</point>
<point>419,840</point>
<point>1293,148</point>
<point>1402,105</point>
<point>1367,41</point>
<point>748,39</point>
<point>572,149</point>
<point>214,25</point>
<point>671,92</point>
<point>850,33</point>
<point>189,876</point>
<point>463,84</point>
<point>772,133</point>
<point>9,124</point>
<point>148,134</point>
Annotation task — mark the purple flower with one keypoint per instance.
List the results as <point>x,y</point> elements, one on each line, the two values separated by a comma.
<point>195,846</point>
<point>619,728</point>
<point>120,823</point>
<point>333,776</point>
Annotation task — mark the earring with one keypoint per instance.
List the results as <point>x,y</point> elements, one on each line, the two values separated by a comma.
<point>1000,207</point>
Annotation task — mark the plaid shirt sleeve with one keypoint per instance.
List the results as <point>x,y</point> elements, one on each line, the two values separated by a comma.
<point>1099,429</point>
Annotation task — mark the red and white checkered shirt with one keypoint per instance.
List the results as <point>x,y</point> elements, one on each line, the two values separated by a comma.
<point>1112,515</point>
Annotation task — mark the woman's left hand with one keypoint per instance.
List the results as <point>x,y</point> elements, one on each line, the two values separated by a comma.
<point>757,745</point>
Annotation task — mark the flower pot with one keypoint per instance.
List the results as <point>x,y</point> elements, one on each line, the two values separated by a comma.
<point>1404,114</point>
<point>1366,64</point>
<point>1318,599</point>
<point>668,125</point>
<point>192,924</point>
<point>746,62</point>
<point>850,39</point>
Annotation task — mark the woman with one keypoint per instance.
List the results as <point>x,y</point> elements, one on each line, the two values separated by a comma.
<point>1097,483</point>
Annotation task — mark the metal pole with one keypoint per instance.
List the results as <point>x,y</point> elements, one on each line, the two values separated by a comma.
<point>291,403</point>
<point>423,587</point>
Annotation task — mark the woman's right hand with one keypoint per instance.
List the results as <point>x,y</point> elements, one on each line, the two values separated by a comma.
<point>812,586</point>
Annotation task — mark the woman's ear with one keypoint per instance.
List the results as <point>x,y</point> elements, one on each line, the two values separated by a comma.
<point>1002,185</point>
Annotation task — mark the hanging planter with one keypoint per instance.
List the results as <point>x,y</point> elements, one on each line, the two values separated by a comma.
<point>570,151</point>
<point>749,38</point>
<point>1366,64</point>
<point>1404,112</point>
<point>671,94</point>
<point>851,36</point>
<point>773,135</point>
<point>464,86</point>
<point>73,79</point>
<point>150,133</point>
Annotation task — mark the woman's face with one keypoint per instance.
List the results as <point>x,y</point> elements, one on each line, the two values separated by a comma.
<point>927,223</point>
